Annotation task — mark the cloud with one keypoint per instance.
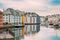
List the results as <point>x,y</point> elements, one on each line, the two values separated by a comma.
<point>17,0</point>
<point>41,7</point>
<point>24,4</point>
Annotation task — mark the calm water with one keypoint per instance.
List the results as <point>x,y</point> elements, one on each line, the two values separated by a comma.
<point>44,34</point>
<point>55,38</point>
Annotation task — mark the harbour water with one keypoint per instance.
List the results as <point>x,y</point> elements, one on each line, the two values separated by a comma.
<point>44,34</point>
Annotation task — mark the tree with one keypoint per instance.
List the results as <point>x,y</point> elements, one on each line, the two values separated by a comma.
<point>46,18</point>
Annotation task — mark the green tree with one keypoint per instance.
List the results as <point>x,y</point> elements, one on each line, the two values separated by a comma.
<point>46,19</point>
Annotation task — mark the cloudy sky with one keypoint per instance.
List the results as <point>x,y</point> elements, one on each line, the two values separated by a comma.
<point>41,7</point>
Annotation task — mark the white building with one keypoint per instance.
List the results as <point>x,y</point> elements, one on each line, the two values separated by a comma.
<point>11,16</point>
<point>32,23</point>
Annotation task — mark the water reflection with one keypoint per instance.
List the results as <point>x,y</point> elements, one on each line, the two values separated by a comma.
<point>56,30</point>
<point>54,38</point>
<point>45,33</point>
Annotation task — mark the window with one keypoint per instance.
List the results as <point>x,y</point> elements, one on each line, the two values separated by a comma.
<point>33,27</point>
<point>33,19</point>
<point>30,27</point>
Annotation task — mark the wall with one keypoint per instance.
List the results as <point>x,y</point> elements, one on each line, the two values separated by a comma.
<point>1,19</point>
<point>38,21</point>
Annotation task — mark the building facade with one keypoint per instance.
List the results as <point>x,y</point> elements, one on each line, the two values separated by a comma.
<point>11,17</point>
<point>14,19</point>
<point>19,23</point>
<point>32,23</point>
<point>1,19</point>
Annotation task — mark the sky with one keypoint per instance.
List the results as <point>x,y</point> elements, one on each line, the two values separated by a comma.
<point>41,7</point>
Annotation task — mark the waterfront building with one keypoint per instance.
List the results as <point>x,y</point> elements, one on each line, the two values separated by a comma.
<point>12,20</point>
<point>32,23</point>
<point>1,18</point>
<point>18,23</point>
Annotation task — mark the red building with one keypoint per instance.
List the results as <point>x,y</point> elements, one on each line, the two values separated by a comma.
<point>1,19</point>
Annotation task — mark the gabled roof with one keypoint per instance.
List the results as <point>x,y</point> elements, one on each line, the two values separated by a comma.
<point>31,14</point>
<point>19,13</point>
<point>13,12</point>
